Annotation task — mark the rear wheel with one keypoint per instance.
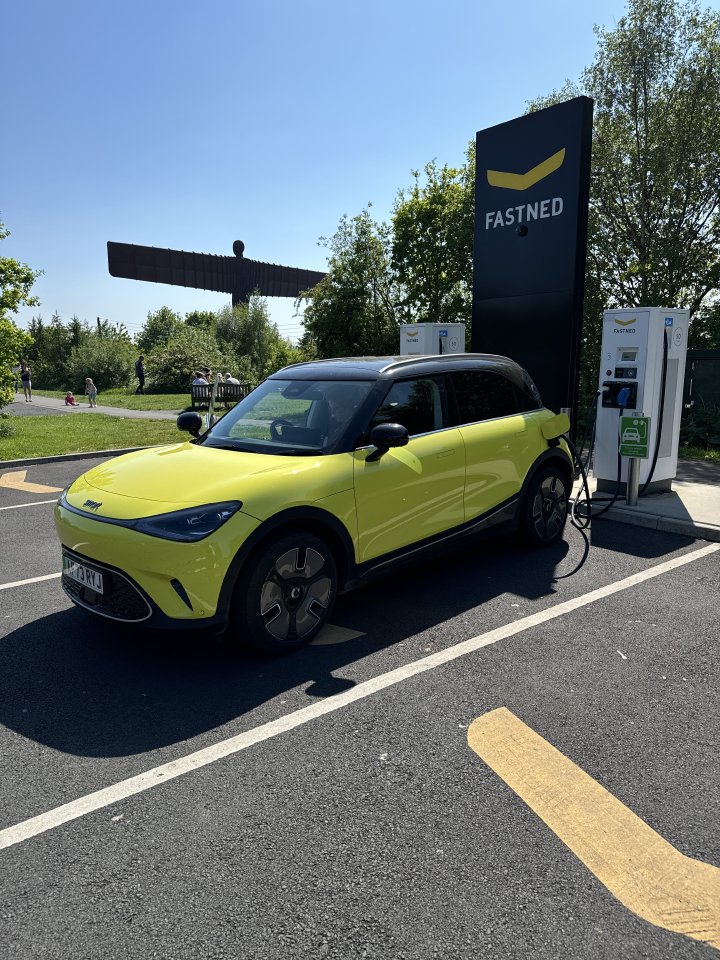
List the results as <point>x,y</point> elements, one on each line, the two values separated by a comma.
<point>287,594</point>
<point>545,507</point>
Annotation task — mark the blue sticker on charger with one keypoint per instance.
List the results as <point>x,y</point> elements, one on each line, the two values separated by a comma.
<point>668,321</point>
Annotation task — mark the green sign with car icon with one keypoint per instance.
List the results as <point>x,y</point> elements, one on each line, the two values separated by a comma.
<point>634,437</point>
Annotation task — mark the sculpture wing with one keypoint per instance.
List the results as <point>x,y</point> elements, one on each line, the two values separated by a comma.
<point>207,271</point>
<point>273,280</point>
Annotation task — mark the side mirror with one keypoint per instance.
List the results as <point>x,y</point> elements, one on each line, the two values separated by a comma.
<point>384,436</point>
<point>192,422</point>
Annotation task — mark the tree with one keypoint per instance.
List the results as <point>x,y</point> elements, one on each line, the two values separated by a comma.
<point>159,328</point>
<point>656,154</point>
<point>704,333</point>
<point>14,345</point>
<point>432,249</point>
<point>246,333</point>
<point>654,228</point>
<point>355,309</point>
<point>16,279</point>
<point>203,319</point>
<point>50,352</point>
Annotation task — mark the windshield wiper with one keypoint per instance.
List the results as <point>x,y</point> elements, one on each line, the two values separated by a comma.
<point>236,447</point>
<point>298,452</point>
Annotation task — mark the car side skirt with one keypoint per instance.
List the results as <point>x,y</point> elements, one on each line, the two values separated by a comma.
<point>503,517</point>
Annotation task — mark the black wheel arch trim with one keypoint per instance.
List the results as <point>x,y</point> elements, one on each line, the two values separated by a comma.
<point>555,455</point>
<point>318,521</point>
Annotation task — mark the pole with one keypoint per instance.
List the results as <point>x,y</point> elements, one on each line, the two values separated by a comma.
<point>633,481</point>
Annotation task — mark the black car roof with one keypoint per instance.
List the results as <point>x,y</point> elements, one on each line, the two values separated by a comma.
<point>391,368</point>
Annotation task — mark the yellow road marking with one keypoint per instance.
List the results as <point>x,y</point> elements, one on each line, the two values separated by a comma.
<point>16,481</point>
<point>523,181</point>
<point>646,873</point>
<point>331,634</point>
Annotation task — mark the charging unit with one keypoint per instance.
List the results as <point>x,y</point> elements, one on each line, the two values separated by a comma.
<point>422,339</point>
<point>642,371</point>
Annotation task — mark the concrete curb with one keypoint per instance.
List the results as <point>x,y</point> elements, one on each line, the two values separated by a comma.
<point>654,521</point>
<point>4,464</point>
<point>651,521</point>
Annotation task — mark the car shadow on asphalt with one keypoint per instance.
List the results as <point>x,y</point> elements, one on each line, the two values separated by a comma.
<point>91,687</point>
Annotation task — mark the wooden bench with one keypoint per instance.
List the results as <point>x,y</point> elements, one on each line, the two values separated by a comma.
<point>227,394</point>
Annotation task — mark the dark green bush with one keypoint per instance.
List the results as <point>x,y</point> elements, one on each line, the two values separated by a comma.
<point>700,427</point>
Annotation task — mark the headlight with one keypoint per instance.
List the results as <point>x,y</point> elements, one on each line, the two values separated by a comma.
<point>190,525</point>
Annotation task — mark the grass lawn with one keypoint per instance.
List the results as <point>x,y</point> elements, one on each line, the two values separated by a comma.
<point>52,436</point>
<point>129,400</point>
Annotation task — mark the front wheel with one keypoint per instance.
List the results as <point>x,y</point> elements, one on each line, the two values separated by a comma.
<point>545,507</point>
<point>287,594</point>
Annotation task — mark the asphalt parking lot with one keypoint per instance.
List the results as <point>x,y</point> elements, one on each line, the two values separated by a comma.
<point>163,796</point>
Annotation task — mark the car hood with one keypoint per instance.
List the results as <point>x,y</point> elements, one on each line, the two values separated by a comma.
<point>161,479</point>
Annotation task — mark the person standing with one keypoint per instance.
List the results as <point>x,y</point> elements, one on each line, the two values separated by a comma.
<point>91,391</point>
<point>26,380</point>
<point>140,374</point>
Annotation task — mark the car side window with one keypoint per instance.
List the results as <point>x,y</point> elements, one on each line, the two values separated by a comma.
<point>483,395</point>
<point>420,405</point>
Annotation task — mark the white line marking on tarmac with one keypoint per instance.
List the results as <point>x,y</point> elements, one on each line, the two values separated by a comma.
<point>226,748</point>
<point>35,503</point>
<point>21,583</point>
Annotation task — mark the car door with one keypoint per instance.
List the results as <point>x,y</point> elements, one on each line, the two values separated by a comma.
<point>499,448</point>
<point>413,492</point>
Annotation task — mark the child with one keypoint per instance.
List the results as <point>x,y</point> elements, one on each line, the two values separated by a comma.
<point>70,400</point>
<point>91,391</point>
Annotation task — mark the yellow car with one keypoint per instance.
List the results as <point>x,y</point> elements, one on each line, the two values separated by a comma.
<point>325,475</point>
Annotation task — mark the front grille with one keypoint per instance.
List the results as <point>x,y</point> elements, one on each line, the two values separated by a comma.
<point>121,598</point>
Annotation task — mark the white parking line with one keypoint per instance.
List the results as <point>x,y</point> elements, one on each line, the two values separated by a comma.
<point>35,503</point>
<point>201,758</point>
<point>21,583</point>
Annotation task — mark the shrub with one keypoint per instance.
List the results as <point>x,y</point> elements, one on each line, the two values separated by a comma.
<point>6,426</point>
<point>109,362</point>
<point>700,427</point>
<point>171,366</point>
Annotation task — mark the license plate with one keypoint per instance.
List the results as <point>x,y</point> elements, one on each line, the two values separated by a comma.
<point>82,574</point>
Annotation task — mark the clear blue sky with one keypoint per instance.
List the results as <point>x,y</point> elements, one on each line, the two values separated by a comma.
<point>190,125</point>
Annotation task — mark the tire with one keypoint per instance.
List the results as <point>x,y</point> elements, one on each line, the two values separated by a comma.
<point>545,507</point>
<point>287,595</point>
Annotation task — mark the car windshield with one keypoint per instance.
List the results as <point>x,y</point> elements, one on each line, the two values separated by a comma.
<point>291,417</point>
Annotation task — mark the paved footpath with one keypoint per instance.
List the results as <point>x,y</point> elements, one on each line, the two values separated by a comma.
<point>53,406</point>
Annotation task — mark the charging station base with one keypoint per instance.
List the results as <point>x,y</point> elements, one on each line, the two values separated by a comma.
<point>610,486</point>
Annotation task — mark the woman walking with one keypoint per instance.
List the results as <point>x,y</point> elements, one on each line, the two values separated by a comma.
<point>26,380</point>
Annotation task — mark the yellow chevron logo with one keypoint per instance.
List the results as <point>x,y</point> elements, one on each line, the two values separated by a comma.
<point>624,323</point>
<point>523,181</point>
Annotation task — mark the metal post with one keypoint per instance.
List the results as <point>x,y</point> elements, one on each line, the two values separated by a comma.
<point>633,481</point>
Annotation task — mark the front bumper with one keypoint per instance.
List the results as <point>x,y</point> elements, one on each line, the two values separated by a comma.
<point>152,581</point>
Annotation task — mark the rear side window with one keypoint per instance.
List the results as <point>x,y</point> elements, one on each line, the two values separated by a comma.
<point>529,396</point>
<point>483,395</point>
<point>420,405</point>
